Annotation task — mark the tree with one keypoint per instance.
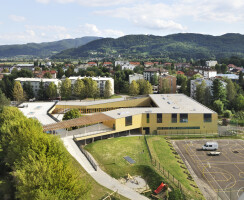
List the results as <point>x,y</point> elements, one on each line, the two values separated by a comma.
<point>47,75</point>
<point>218,106</point>
<point>37,68</point>
<point>134,88</point>
<point>239,103</point>
<point>165,88</point>
<point>72,114</point>
<point>95,92</point>
<point>208,97</point>
<point>5,70</point>
<point>180,78</point>
<point>154,79</point>
<point>66,88</point>
<point>69,72</point>
<point>224,68</point>
<point>241,81</point>
<point>144,87</point>
<point>25,73</point>
<point>4,101</point>
<point>108,89</point>
<point>42,95</point>
<point>18,92</point>
<point>28,89</point>
<point>230,90</point>
<point>183,88</point>
<point>79,89</point>
<point>52,91</point>
<point>219,92</point>
<point>200,92</point>
<point>60,72</point>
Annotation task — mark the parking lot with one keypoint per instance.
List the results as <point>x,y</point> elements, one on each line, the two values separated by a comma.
<point>224,174</point>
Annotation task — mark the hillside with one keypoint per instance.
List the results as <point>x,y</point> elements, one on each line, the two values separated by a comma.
<point>45,49</point>
<point>183,45</point>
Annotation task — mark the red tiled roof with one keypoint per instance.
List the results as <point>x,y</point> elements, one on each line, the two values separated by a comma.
<point>148,63</point>
<point>107,63</point>
<point>91,63</point>
<point>135,63</point>
<point>180,72</point>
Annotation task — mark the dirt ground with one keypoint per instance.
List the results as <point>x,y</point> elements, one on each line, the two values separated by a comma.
<point>218,177</point>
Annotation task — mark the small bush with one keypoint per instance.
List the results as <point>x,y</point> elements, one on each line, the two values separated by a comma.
<point>227,113</point>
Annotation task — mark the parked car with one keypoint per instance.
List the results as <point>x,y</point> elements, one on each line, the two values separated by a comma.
<point>210,146</point>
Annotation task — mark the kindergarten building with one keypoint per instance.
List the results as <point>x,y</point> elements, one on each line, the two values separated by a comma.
<point>154,114</point>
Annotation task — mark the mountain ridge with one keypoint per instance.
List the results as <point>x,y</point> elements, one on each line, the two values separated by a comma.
<point>181,45</point>
<point>44,49</point>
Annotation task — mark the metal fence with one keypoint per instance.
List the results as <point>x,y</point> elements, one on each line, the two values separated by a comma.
<point>88,158</point>
<point>165,173</point>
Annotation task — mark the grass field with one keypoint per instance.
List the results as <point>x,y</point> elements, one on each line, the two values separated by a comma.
<point>161,150</point>
<point>109,154</point>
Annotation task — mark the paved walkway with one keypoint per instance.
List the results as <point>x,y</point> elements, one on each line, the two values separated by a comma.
<point>100,176</point>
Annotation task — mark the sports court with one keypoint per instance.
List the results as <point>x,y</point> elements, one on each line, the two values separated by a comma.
<point>224,173</point>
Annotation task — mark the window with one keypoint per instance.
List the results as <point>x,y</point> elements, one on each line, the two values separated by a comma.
<point>148,118</point>
<point>183,118</point>
<point>128,121</point>
<point>207,117</point>
<point>174,118</point>
<point>178,128</point>
<point>159,118</point>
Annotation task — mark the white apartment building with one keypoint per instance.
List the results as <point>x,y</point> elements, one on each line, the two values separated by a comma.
<point>127,66</point>
<point>135,77</point>
<point>35,82</point>
<point>120,62</point>
<point>211,63</point>
<point>198,81</point>
<point>100,82</point>
<point>209,74</point>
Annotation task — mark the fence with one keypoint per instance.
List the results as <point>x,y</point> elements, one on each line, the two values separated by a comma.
<point>165,172</point>
<point>88,158</point>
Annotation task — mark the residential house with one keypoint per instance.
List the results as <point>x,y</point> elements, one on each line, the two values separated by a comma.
<point>171,83</point>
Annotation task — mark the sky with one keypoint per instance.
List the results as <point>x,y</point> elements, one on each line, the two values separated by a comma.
<point>26,21</point>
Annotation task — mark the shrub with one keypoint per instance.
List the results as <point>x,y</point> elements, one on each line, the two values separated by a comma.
<point>227,113</point>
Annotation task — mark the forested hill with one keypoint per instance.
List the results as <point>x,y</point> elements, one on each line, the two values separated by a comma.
<point>182,45</point>
<point>45,49</point>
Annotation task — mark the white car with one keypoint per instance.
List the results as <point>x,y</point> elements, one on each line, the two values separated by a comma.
<point>212,146</point>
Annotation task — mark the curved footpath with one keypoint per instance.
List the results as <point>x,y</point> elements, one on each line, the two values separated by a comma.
<point>100,176</point>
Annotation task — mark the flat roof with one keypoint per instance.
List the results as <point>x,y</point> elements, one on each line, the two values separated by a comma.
<point>38,110</point>
<point>166,103</point>
<point>93,77</point>
<point>37,79</point>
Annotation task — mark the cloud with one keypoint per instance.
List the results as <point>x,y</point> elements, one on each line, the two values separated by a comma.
<point>49,33</point>
<point>169,16</point>
<point>16,18</point>
<point>93,30</point>
<point>102,3</point>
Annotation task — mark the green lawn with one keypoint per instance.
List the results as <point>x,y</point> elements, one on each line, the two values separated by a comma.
<point>109,154</point>
<point>161,150</point>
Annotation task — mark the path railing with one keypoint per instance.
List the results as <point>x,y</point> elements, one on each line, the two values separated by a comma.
<point>88,158</point>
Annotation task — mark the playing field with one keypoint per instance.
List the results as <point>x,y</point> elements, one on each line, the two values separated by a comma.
<point>222,176</point>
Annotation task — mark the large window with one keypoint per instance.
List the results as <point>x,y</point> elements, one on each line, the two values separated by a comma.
<point>159,118</point>
<point>183,118</point>
<point>174,118</point>
<point>148,118</point>
<point>128,121</point>
<point>178,128</point>
<point>207,117</point>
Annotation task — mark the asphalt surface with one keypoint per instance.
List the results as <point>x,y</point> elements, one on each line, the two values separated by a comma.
<point>223,175</point>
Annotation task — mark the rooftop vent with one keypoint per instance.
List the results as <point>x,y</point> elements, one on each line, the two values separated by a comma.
<point>168,102</point>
